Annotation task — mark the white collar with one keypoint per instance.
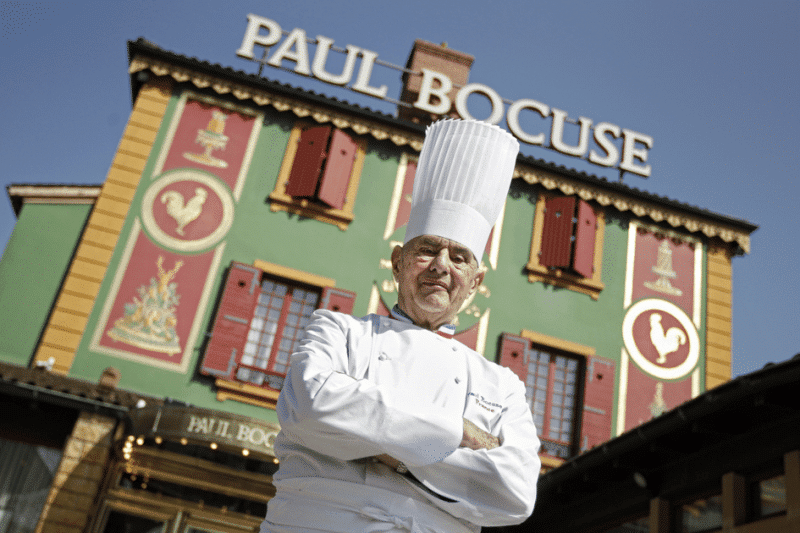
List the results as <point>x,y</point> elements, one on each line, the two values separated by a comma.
<point>448,330</point>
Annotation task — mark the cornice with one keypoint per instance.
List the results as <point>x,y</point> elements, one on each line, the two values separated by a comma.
<point>264,98</point>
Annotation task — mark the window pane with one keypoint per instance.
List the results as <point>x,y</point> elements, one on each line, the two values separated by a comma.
<point>641,525</point>
<point>701,515</point>
<point>771,496</point>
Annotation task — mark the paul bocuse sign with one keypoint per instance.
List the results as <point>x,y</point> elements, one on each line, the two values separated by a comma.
<point>433,97</point>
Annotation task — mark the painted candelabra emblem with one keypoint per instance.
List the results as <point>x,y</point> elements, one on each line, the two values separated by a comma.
<point>661,338</point>
<point>187,210</point>
<point>211,138</point>
<point>663,269</point>
<point>150,319</point>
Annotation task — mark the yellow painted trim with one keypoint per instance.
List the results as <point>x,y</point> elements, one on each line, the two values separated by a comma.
<point>549,463</point>
<point>82,283</point>
<point>719,288</point>
<point>250,394</point>
<point>280,201</point>
<point>560,344</point>
<point>294,274</point>
<point>557,277</point>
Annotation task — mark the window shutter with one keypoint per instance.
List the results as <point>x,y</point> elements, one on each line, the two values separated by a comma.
<point>232,323</point>
<point>338,167</point>
<point>557,232</point>
<point>307,165</point>
<point>338,300</point>
<point>598,402</point>
<point>585,231</point>
<point>512,354</point>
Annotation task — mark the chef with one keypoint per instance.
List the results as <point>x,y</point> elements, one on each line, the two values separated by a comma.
<point>390,424</point>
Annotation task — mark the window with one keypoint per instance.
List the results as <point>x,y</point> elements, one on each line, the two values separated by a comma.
<point>567,244</point>
<point>641,525</point>
<point>570,390</point>
<point>703,514</point>
<point>259,323</point>
<point>282,311</point>
<point>320,173</point>
<point>770,496</point>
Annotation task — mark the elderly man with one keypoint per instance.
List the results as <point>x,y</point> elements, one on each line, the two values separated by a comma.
<point>389,424</point>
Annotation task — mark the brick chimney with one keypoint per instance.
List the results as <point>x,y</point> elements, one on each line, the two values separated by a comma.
<point>453,64</point>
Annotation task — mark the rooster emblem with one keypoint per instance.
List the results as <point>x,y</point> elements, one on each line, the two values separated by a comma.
<point>665,342</point>
<point>184,213</point>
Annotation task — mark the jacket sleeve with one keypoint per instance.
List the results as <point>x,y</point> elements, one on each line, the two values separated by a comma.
<point>323,408</point>
<point>490,487</point>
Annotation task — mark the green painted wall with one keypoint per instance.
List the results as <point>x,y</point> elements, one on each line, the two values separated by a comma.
<point>31,272</point>
<point>353,258</point>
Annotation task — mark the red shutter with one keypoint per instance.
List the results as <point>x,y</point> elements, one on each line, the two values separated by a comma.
<point>307,165</point>
<point>585,230</point>
<point>598,402</point>
<point>338,300</point>
<point>339,166</point>
<point>232,323</point>
<point>469,337</point>
<point>557,232</point>
<point>512,354</point>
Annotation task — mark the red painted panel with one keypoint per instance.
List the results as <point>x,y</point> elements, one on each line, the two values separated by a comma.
<point>585,231</point>
<point>557,232</point>
<point>469,336</point>
<point>339,300</point>
<point>232,323</point>
<point>212,139</point>
<point>156,302</point>
<point>598,402</point>
<point>649,397</point>
<point>338,167</point>
<point>312,149</point>
<point>664,268</point>
<point>512,354</point>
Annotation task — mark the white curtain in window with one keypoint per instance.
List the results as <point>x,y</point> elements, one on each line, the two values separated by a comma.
<point>26,473</point>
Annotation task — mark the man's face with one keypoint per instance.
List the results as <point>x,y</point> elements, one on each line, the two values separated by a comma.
<point>435,277</point>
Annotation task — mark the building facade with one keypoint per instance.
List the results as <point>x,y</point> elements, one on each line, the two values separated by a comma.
<point>147,321</point>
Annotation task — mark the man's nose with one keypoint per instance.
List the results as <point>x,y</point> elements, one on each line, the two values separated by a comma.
<point>440,261</point>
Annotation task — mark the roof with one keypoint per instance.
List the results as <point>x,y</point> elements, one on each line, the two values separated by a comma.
<point>146,56</point>
<point>739,426</point>
<point>39,384</point>
<point>19,194</point>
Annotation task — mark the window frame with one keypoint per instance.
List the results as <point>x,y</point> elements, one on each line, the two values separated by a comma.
<point>561,277</point>
<point>309,208</point>
<point>264,395</point>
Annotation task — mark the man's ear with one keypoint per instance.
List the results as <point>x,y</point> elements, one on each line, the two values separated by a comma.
<point>478,279</point>
<point>397,253</point>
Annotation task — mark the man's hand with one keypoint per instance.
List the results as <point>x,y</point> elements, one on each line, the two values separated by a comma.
<point>477,439</point>
<point>388,460</point>
<point>473,437</point>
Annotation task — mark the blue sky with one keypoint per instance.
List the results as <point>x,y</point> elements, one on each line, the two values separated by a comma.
<point>715,83</point>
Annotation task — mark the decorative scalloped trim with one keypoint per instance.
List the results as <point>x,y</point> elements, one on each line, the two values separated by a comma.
<point>262,98</point>
<point>638,208</point>
<point>399,138</point>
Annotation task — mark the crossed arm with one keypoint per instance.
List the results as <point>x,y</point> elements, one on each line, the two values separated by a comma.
<point>490,479</point>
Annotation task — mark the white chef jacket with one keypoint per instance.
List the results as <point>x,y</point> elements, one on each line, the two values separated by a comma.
<point>361,387</point>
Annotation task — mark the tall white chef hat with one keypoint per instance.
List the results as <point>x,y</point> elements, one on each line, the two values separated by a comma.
<point>463,175</point>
